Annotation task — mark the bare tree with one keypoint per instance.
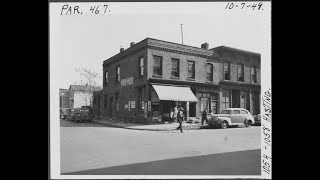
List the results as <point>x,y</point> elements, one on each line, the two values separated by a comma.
<point>91,79</point>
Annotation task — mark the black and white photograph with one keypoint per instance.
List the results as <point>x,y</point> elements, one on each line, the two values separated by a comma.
<point>153,90</point>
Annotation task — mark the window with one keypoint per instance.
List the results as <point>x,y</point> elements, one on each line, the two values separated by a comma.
<point>226,70</point>
<point>241,72</point>
<point>243,112</point>
<point>141,65</point>
<point>117,102</point>
<point>157,65</point>
<point>236,112</point>
<point>191,69</point>
<point>226,112</point>
<point>105,101</point>
<point>106,77</point>
<point>118,74</point>
<point>175,68</point>
<point>225,99</point>
<point>209,72</point>
<point>254,74</point>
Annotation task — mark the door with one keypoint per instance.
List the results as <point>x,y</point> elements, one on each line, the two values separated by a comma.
<point>214,107</point>
<point>236,117</point>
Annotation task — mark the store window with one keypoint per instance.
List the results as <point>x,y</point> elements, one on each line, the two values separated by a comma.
<point>243,99</point>
<point>157,65</point>
<point>225,99</point>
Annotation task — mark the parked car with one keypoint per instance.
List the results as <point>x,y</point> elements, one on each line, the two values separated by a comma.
<point>257,119</point>
<point>69,114</point>
<point>83,114</point>
<point>231,117</point>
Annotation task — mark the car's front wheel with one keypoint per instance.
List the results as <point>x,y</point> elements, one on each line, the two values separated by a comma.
<point>224,124</point>
<point>248,123</point>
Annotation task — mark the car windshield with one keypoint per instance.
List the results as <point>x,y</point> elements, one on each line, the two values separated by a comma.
<point>226,112</point>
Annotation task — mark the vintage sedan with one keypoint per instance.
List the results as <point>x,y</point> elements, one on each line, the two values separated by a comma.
<point>231,117</point>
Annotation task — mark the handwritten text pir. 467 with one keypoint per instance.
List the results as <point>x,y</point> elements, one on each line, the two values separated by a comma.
<point>67,9</point>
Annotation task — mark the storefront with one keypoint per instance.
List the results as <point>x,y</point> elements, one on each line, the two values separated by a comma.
<point>165,97</point>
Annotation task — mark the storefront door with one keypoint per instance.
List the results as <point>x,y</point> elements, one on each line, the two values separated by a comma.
<point>214,107</point>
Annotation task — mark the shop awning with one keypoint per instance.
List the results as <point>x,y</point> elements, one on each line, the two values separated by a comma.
<point>174,93</point>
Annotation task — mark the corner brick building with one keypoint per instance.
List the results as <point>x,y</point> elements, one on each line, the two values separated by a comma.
<point>143,82</point>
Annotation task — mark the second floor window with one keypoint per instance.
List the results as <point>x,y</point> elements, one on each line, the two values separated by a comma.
<point>106,77</point>
<point>209,72</point>
<point>226,70</point>
<point>175,68</point>
<point>253,74</point>
<point>240,72</point>
<point>191,69</point>
<point>141,66</point>
<point>157,65</point>
<point>118,74</point>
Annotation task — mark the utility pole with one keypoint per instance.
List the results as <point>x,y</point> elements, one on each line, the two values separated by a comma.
<point>181,33</point>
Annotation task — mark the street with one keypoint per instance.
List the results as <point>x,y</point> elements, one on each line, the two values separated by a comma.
<point>92,149</point>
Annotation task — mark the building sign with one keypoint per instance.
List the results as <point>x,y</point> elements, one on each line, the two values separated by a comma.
<point>127,81</point>
<point>133,104</point>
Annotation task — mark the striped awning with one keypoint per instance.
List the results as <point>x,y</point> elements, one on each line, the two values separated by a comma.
<point>174,93</point>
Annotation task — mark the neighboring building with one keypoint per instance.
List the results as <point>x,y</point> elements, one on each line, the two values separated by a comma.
<point>81,95</point>
<point>144,81</point>
<point>64,98</point>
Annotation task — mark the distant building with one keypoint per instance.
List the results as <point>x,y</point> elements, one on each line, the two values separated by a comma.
<point>143,82</point>
<point>64,98</point>
<point>81,95</point>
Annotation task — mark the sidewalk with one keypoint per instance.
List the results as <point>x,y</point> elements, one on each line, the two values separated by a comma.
<point>152,127</point>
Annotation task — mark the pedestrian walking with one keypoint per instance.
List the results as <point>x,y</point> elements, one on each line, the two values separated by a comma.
<point>180,119</point>
<point>204,116</point>
<point>175,113</point>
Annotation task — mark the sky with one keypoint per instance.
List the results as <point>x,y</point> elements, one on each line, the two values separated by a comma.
<point>86,40</point>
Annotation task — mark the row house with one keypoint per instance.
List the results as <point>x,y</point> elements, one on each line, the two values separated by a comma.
<point>143,82</point>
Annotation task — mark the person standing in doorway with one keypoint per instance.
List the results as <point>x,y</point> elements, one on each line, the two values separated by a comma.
<point>204,116</point>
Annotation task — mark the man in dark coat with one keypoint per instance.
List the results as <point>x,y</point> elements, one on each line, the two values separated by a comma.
<point>204,116</point>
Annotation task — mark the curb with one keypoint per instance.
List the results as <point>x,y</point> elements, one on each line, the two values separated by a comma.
<point>132,128</point>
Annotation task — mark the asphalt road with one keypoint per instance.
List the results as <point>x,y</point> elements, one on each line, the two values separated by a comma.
<point>115,151</point>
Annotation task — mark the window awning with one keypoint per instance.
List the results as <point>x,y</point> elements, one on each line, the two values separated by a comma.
<point>174,93</point>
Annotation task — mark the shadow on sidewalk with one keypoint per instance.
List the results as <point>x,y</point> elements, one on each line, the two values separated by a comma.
<point>233,163</point>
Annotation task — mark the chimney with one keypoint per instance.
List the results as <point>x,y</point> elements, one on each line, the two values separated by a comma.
<point>205,46</point>
<point>121,49</point>
<point>132,43</point>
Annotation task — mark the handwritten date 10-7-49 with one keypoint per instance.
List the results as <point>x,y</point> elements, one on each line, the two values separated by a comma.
<point>244,6</point>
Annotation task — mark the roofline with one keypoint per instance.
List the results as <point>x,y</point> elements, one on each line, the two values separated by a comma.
<point>146,40</point>
<point>235,49</point>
